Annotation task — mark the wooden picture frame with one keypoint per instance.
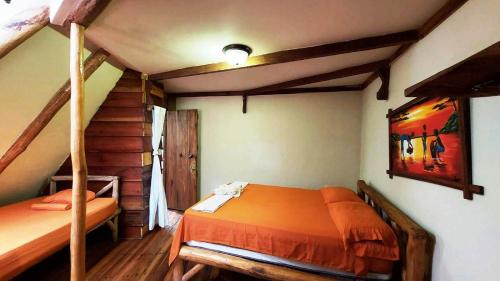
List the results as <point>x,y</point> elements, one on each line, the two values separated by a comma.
<point>449,118</point>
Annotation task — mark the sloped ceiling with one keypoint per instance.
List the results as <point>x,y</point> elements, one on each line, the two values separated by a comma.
<point>29,76</point>
<point>154,35</point>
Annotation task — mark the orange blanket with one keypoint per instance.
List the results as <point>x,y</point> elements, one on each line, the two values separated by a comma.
<point>291,223</point>
<point>28,236</point>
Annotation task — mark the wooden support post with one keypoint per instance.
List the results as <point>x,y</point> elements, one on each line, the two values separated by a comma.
<point>385,74</point>
<point>78,210</point>
<point>244,103</point>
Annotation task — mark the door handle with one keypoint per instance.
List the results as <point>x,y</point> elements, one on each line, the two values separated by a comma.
<point>190,156</point>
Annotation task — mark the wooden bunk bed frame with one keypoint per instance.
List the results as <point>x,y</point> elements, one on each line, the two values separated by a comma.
<point>416,246</point>
<point>111,221</point>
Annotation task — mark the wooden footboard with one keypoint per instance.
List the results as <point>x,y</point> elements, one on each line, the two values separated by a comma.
<point>415,243</point>
<point>249,267</point>
<point>416,246</point>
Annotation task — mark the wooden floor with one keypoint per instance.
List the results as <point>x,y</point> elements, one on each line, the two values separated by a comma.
<point>141,260</point>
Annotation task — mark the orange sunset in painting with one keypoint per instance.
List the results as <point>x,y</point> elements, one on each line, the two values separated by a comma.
<point>425,140</point>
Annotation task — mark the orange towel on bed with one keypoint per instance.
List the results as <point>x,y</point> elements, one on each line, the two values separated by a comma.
<point>51,206</point>
<point>291,223</point>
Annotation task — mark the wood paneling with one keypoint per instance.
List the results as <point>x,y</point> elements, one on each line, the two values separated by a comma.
<point>119,129</point>
<point>123,114</point>
<point>117,159</point>
<point>121,99</point>
<point>129,89</point>
<point>133,232</point>
<point>134,203</point>
<point>181,158</point>
<point>118,144</point>
<point>125,173</point>
<point>135,188</point>
<point>130,82</point>
<point>135,218</point>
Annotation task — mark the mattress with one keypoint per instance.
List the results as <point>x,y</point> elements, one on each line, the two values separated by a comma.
<point>28,236</point>
<point>282,261</point>
<point>289,223</point>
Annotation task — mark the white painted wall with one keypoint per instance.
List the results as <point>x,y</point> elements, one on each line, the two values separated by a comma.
<point>467,232</point>
<point>306,140</point>
<point>29,77</point>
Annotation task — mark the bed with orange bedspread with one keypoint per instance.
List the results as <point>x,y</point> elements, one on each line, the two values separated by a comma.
<point>28,236</point>
<point>290,223</point>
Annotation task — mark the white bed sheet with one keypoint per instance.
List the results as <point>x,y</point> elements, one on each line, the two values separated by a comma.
<point>281,261</point>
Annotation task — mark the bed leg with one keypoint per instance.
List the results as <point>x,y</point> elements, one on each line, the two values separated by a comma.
<point>115,229</point>
<point>113,225</point>
<point>214,273</point>
<point>177,270</point>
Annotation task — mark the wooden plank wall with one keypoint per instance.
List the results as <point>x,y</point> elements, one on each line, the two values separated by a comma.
<point>118,142</point>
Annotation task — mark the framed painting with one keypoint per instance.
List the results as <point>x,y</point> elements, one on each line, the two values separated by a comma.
<point>429,140</point>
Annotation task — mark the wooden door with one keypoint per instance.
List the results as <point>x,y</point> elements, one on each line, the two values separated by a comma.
<point>181,158</point>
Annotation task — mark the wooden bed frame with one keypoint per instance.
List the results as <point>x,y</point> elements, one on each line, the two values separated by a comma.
<point>111,221</point>
<point>416,246</point>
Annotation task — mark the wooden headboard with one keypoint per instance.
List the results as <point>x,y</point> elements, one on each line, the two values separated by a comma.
<point>113,183</point>
<point>416,244</point>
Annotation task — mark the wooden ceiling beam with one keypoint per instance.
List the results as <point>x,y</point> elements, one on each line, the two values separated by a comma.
<point>337,48</point>
<point>332,89</point>
<point>344,88</point>
<point>340,73</point>
<point>82,12</point>
<point>434,21</point>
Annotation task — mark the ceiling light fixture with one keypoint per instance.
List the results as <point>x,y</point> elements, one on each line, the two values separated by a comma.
<point>236,54</point>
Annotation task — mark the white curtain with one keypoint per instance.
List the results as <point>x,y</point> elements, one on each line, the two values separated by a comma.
<point>157,199</point>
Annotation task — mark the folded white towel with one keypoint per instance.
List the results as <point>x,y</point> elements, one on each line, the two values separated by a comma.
<point>234,189</point>
<point>212,203</point>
